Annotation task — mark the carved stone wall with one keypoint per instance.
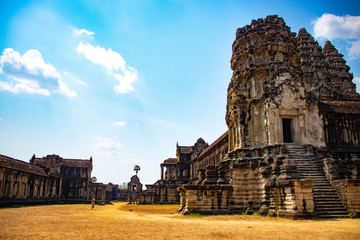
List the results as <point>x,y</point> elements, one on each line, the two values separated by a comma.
<point>209,156</point>
<point>48,179</point>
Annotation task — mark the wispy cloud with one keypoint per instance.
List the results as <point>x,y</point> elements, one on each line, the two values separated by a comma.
<point>330,26</point>
<point>354,49</point>
<point>30,74</point>
<point>71,77</point>
<point>113,62</point>
<point>109,148</point>
<point>79,32</point>
<point>120,123</point>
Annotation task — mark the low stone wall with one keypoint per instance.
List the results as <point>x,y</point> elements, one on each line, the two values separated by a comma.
<point>169,194</point>
<point>349,192</point>
<point>147,198</point>
<point>248,188</point>
<point>205,199</point>
<point>293,199</point>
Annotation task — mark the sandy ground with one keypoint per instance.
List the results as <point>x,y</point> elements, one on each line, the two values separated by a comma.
<point>121,221</point>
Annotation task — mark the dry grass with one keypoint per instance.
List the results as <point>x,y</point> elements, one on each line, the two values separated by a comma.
<point>159,222</point>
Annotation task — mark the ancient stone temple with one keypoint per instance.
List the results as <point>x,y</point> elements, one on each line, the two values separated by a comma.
<point>293,118</point>
<point>174,173</point>
<point>188,166</point>
<point>51,179</point>
<point>134,189</point>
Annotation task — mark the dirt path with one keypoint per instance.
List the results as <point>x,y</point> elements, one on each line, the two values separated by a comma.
<point>120,221</point>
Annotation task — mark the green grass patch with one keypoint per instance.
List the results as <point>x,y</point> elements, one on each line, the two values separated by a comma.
<point>198,215</point>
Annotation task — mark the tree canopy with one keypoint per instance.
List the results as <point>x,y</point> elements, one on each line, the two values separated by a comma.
<point>93,179</point>
<point>137,169</point>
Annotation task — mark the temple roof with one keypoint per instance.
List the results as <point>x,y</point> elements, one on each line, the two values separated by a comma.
<point>340,107</point>
<point>225,134</point>
<point>81,163</point>
<point>135,179</point>
<point>50,159</point>
<point>185,149</point>
<point>11,163</point>
<point>170,161</point>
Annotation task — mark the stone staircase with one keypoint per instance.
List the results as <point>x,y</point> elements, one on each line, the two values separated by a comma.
<point>327,202</point>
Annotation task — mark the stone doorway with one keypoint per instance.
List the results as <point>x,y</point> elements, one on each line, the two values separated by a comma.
<point>287,130</point>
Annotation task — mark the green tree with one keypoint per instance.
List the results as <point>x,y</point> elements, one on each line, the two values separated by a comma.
<point>123,186</point>
<point>137,169</point>
<point>93,179</point>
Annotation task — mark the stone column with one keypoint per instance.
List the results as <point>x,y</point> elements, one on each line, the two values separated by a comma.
<point>168,172</point>
<point>162,172</point>
<point>11,183</point>
<point>60,186</point>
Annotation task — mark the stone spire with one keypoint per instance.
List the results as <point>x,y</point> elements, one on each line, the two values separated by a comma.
<point>341,78</point>
<point>313,66</point>
<point>264,58</point>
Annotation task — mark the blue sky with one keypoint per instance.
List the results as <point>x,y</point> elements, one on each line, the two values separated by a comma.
<point>123,81</point>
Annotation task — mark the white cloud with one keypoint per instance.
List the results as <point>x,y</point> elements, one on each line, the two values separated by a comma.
<point>109,148</point>
<point>120,123</point>
<point>126,80</point>
<point>356,80</point>
<point>98,55</point>
<point>107,144</point>
<point>332,27</point>
<point>30,74</point>
<point>79,32</point>
<point>354,50</point>
<point>347,28</point>
<point>113,62</point>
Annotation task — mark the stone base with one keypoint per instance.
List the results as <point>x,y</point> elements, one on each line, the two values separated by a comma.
<point>295,214</point>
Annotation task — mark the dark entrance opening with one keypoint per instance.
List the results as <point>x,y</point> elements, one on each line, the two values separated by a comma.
<point>287,136</point>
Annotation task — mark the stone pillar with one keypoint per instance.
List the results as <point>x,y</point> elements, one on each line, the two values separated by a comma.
<point>2,182</point>
<point>46,187</point>
<point>240,143</point>
<point>60,187</point>
<point>11,183</point>
<point>232,139</point>
<point>162,172</point>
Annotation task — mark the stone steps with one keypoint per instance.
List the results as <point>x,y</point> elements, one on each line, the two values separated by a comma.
<point>326,200</point>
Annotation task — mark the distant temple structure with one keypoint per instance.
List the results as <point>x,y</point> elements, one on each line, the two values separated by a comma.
<point>51,179</point>
<point>48,179</point>
<point>293,142</point>
<point>188,166</point>
<point>134,189</point>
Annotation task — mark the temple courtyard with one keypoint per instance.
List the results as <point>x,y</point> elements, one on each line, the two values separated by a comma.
<point>122,221</point>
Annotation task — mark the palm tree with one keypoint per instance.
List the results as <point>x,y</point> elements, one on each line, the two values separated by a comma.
<point>137,169</point>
